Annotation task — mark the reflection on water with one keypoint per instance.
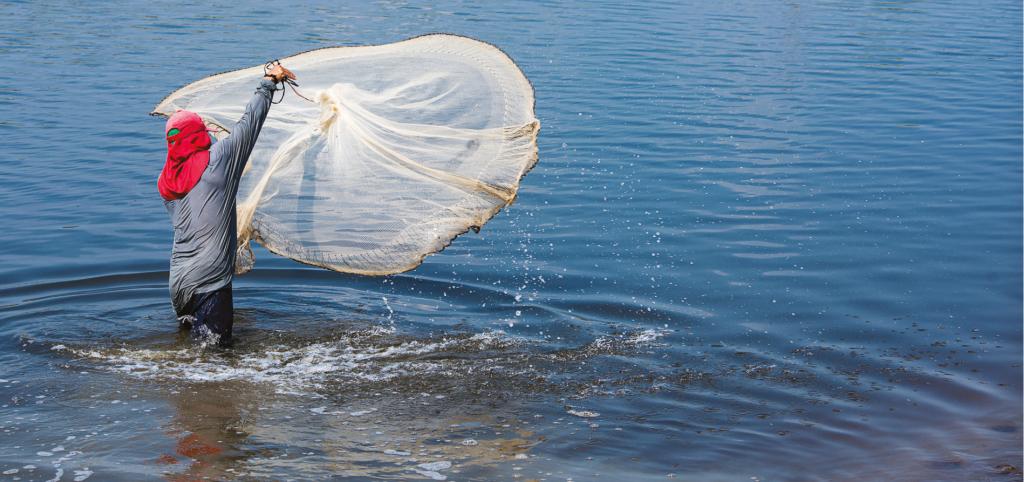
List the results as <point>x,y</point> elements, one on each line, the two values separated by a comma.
<point>762,242</point>
<point>369,402</point>
<point>246,440</point>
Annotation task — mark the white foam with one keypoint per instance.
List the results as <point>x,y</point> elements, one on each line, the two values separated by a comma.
<point>436,466</point>
<point>292,369</point>
<point>628,340</point>
<point>646,336</point>
<point>431,474</point>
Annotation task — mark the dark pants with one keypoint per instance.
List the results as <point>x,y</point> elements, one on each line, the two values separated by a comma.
<point>214,313</point>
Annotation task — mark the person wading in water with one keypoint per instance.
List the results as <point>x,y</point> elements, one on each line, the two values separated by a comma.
<point>198,184</point>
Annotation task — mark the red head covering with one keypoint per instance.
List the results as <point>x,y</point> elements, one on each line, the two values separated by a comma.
<point>188,153</point>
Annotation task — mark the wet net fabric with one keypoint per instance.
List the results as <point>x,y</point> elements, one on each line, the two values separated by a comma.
<point>404,147</point>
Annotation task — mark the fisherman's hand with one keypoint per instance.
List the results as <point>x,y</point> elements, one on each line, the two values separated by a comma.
<point>279,73</point>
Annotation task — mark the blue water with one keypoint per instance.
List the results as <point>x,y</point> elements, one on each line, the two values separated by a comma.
<point>764,241</point>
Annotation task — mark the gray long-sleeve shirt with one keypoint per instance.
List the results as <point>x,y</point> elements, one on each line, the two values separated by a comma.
<point>203,257</point>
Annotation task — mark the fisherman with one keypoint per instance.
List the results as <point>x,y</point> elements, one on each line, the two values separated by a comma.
<point>199,183</point>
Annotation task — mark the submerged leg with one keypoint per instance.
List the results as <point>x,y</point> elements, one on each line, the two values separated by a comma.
<point>214,315</point>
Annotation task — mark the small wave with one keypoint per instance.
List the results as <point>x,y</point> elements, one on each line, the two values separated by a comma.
<point>632,339</point>
<point>615,344</point>
<point>366,356</point>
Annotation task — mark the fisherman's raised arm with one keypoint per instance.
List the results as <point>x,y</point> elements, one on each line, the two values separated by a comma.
<point>234,150</point>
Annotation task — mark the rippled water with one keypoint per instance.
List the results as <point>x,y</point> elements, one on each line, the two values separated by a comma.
<point>764,240</point>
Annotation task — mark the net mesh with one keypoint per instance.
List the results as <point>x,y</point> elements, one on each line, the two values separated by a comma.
<point>406,146</point>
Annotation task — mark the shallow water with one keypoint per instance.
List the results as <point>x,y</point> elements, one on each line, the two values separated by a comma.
<point>763,241</point>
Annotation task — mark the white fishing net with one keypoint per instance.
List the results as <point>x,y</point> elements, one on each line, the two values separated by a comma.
<point>406,146</point>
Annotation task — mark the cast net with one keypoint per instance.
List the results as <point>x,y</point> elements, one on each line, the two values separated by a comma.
<point>404,147</point>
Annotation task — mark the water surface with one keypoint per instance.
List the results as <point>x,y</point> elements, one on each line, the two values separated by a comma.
<point>764,241</point>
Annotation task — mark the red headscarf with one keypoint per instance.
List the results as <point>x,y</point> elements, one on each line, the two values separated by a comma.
<point>188,153</point>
